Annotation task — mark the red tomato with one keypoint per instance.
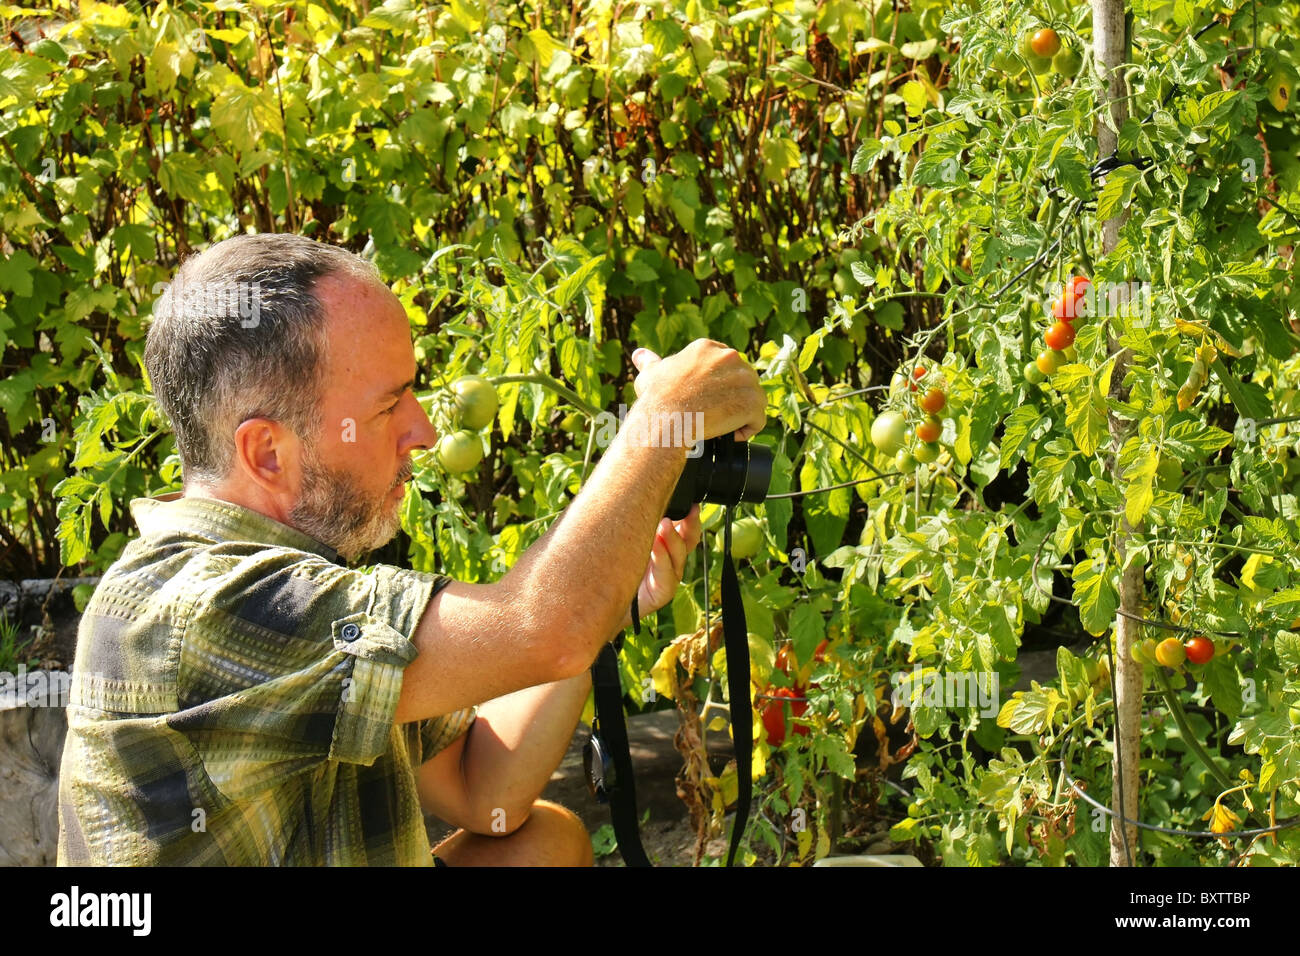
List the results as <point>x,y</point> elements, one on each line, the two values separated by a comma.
<point>930,430</point>
<point>1066,307</point>
<point>933,401</point>
<point>773,712</point>
<point>1199,649</point>
<point>1079,286</point>
<point>918,373</point>
<point>1060,336</point>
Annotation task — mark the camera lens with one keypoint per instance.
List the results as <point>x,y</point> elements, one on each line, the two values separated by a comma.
<point>726,472</point>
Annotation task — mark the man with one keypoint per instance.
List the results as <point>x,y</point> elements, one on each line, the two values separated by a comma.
<point>242,697</point>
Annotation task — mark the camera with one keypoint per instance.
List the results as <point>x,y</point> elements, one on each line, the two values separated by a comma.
<point>727,472</point>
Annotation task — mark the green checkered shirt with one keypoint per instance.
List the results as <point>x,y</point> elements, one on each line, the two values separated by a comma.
<point>233,700</point>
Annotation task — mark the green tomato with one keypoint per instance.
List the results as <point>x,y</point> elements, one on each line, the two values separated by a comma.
<point>888,432</point>
<point>1006,63</point>
<point>1068,62</point>
<point>711,516</point>
<point>459,452</point>
<point>926,452</point>
<point>476,401</point>
<point>904,461</point>
<point>1033,375</point>
<point>1041,65</point>
<point>746,538</point>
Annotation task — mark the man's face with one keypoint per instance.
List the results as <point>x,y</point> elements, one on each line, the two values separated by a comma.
<point>354,474</point>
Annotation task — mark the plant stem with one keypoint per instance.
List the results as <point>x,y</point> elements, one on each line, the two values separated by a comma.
<point>537,378</point>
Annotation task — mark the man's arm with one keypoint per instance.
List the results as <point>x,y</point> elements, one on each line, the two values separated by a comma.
<point>504,761</point>
<point>488,779</point>
<point>549,615</point>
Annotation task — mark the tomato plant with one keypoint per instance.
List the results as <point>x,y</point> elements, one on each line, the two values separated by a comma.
<point>889,197</point>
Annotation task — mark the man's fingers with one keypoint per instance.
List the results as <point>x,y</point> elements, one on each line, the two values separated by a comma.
<point>643,359</point>
<point>690,528</point>
<point>677,549</point>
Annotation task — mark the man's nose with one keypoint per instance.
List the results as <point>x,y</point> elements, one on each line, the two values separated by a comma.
<point>422,433</point>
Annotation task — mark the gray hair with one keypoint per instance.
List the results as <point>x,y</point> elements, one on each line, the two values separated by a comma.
<point>240,334</point>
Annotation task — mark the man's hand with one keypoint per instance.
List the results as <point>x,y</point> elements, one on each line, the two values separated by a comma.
<point>705,377</point>
<point>674,541</point>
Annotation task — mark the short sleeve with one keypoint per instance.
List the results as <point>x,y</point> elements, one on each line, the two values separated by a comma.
<point>437,733</point>
<point>290,659</point>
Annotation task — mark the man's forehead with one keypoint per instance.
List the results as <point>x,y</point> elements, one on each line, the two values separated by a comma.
<point>367,332</point>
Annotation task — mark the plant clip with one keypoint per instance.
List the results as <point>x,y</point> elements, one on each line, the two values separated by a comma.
<point>1113,162</point>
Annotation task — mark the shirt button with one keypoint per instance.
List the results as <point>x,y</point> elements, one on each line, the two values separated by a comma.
<point>350,632</point>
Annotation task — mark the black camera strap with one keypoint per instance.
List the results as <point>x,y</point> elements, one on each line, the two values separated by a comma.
<point>735,634</point>
<point>609,745</point>
<point>608,748</point>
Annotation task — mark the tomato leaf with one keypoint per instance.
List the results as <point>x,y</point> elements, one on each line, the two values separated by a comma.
<point>1095,596</point>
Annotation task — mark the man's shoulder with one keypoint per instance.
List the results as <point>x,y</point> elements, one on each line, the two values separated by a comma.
<point>174,603</point>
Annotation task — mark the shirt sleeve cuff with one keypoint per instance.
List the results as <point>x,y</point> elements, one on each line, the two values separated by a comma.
<point>370,689</point>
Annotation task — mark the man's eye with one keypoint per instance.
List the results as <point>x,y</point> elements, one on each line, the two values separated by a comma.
<point>390,409</point>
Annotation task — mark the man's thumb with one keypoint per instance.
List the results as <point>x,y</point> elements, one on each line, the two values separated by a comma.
<point>643,359</point>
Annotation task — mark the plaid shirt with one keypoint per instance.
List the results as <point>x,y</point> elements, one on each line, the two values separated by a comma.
<point>233,700</point>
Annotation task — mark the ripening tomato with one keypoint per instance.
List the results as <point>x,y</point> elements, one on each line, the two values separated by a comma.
<point>1049,360</point>
<point>933,401</point>
<point>918,373</point>
<point>1045,43</point>
<point>1170,652</point>
<point>930,430</point>
<point>1199,649</point>
<point>1060,336</point>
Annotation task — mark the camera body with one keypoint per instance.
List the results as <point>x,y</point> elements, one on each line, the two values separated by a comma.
<point>726,472</point>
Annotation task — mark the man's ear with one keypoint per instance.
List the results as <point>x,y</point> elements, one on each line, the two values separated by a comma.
<point>268,455</point>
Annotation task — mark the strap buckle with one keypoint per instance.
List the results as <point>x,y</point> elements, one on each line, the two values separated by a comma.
<point>598,766</point>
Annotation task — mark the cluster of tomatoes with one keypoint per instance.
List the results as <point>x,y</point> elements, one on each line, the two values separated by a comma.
<point>1044,51</point>
<point>1059,337</point>
<point>774,701</point>
<point>889,430</point>
<point>476,405</point>
<point>1171,652</point>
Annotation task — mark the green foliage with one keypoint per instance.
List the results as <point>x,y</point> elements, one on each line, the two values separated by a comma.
<point>841,190</point>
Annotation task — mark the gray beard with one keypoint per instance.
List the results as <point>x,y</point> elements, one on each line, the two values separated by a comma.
<point>334,511</point>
